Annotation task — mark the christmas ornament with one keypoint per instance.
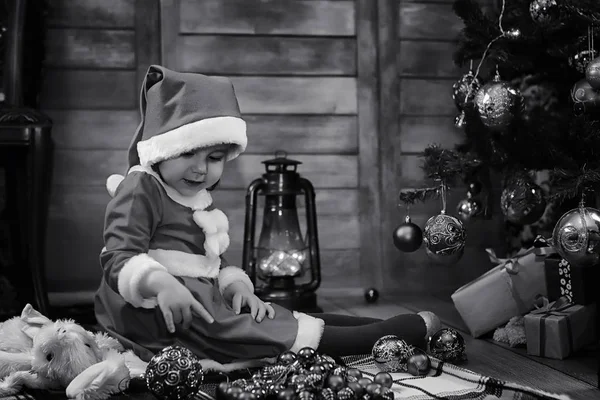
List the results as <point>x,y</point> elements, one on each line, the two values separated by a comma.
<point>384,379</point>
<point>545,13</point>
<point>581,60</point>
<point>391,353</point>
<point>498,103</point>
<point>444,238</point>
<point>371,295</point>
<point>513,34</point>
<point>576,236</point>
<point>522,201</point>
<point>286,358</point>
<point>448,345</point>
<point>408,237</point>
<point>174,373</point>
<point>468,208</point>
<point>585,98</point>
<point>461,120</point>
<point>592,73</point>
<point>463,90</point>
<point>419,364</point>
<point>474,188</point>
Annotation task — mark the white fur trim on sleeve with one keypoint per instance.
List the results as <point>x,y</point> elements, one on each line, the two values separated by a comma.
<point>310,331</point>
<point>130,276</point>
<point>230,274</point>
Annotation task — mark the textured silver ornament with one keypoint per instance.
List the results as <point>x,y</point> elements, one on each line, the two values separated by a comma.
<point>581,60</point>
<point>391,354</point>
<point>522,201</point>
<point>463,90</point>
<point>576,236</point>
<point>444,238</point>
<point>592,73</point>
<point>174,373</point>
<point>468,208</point>
<point>544,12</point>
<point>498,103</point>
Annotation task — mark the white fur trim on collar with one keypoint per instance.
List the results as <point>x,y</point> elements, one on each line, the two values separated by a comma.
<point>199,201</point>
<point>198,134</point>
<point>310,331</point>
<point>179,263</point>
<point>215,225</point>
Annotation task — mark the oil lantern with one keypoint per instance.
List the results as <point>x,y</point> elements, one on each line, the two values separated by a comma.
<point>284,264</point>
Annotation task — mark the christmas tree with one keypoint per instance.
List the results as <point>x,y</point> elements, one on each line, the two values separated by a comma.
<point>529,103</point>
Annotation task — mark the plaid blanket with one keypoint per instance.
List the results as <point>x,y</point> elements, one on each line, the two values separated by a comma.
<point>444,381</point>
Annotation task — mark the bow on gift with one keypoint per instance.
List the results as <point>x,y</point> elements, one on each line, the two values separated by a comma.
<point>543,306</point>
<point>511,264</point>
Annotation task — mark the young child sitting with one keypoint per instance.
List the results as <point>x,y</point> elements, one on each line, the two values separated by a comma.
<point>165,280</point>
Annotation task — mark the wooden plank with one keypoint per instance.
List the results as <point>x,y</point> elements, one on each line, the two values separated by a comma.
<point>292,95</point>
<point>368,118</point>
<point>147,37</point>
<point>389,140</point>
<point>91,13</point>
<point>93,129</point>
<point>419,132</point>
<point>113,129</point>
<point>84,89</point>
<point>428,21</point>
<point>427,59</point>
<point>90,48</point>
<point>323,18</point>
<point>213,54</point>
<point>94,166</point>
<point>427,97</point>
<point>169,29</point>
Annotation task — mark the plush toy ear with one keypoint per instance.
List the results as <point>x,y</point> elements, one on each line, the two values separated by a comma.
<point>34,320</point>
<point>100,380</point>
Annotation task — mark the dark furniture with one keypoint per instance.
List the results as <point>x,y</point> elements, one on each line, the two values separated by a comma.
<point>25,149</point>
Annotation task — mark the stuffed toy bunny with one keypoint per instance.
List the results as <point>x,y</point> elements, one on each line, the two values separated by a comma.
<point>38,353</point>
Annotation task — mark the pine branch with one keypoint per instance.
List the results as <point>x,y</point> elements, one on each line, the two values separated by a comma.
<point>587,11</point>
<point>446,165</point>
<point>567,184</point>
<point>411,196</point>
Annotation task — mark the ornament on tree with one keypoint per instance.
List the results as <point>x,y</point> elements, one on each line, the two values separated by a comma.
<point>581,60</point>
<point>468,208</point>
<point>448,345</point>
<point>474,188</point>
<point>576,236</point>
<point>391,353</point>
<point>545,13</point>
<point>513,34</point>
<point>498,104</point>
<point>175,373</point>
<point>408,237</point>
<point>461,120</point>
<point>522,201</point>
<point>463,90</point>
<point>585,98</point>
<point>371,295</point>
<point>592,73</point>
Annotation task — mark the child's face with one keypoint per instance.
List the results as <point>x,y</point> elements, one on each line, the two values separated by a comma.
<point>191,172</point>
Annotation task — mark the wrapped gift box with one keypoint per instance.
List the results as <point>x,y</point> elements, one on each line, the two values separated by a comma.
<point>557,332</point>
<point>507,290</point>
<point>578,284</point>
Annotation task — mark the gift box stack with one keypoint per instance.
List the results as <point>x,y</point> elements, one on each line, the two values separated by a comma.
<point>565,322</point>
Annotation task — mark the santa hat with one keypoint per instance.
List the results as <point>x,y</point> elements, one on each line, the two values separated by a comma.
<point>181,112</point>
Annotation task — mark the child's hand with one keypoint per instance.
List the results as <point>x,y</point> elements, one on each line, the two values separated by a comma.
<point>244,297</point>
<point>177,305</point>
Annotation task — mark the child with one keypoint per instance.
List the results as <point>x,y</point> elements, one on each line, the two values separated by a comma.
<point>165,280</point>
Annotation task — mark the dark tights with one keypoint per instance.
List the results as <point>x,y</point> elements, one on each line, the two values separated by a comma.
<point>346,335</point>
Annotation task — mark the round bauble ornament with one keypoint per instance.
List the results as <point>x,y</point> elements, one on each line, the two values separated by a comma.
<point>498,104</point>
<point>419,364</point>
<point>592,73</point>
<point>468,208</point>
<point>444,238</point>
<point>544,12</point>
<point>371,295</point>
<point>585,98</point>
<point>463,90</point>
<point>448,345</point>
<point>522,201</point>
<point>408,237</point>
<point>391,353</point>
<point>581,60</point>
<point>576,236</point>
<point>384,379</point>
<point>461,120</point>
<point>174,373</point>
<point>474,188</point>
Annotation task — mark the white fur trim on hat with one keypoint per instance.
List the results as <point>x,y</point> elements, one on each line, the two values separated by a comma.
<point>310,331</point>
<point>179,263</point>
<point>198,134</point>
<point>130,276</point>
<point>231,274</point>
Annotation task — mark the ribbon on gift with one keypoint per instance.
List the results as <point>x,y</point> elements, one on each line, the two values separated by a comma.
<point>511,264</point>
<point>555,308</point>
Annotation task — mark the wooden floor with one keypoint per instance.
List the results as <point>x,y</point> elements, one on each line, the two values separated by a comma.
<point>575,376</point>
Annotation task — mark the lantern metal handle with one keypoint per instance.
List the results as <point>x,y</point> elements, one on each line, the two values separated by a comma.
<point>311,233</point>
<point>251,200</point>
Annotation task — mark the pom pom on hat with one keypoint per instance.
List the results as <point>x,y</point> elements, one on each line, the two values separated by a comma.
<point>112,183</point>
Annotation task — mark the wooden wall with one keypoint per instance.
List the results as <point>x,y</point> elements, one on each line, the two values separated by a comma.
<point>352,88</point>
